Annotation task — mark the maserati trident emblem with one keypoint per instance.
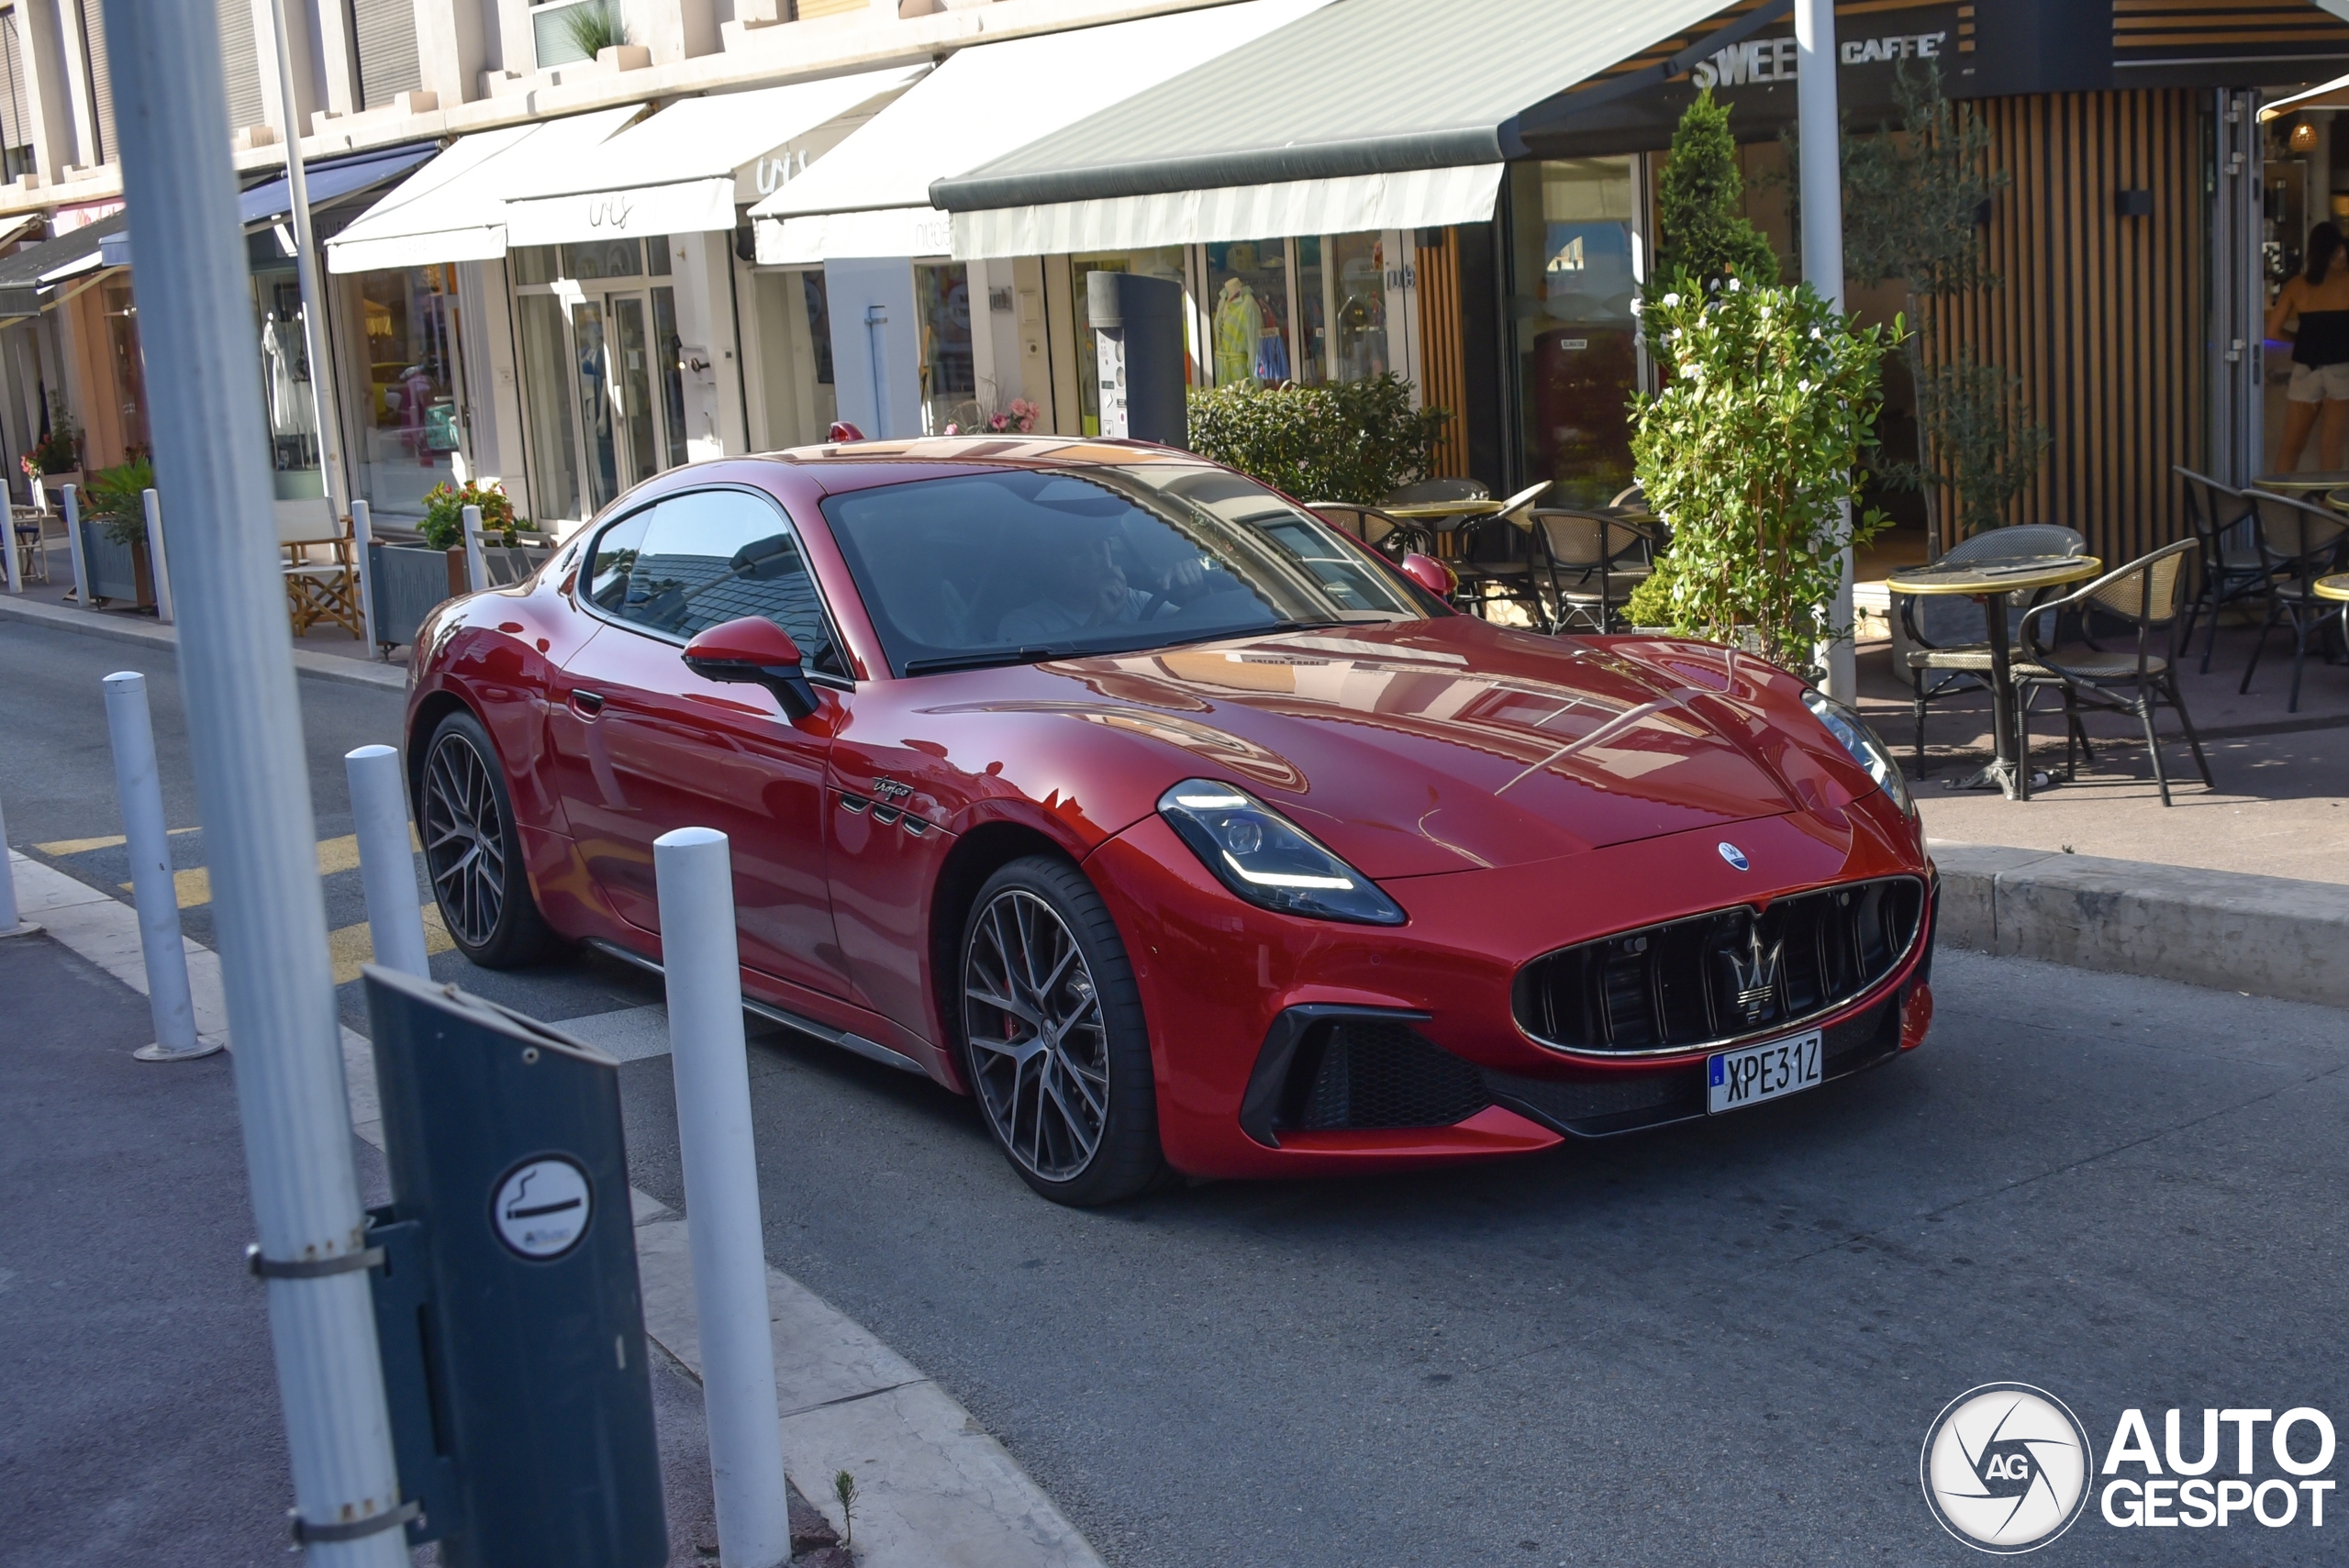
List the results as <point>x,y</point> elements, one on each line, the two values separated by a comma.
<point>1757,973</point>
<point>1734,856</point>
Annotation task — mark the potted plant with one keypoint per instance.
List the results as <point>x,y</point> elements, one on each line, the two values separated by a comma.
<point>114,532</point>
<point>444,523</point>
<point>55,461</point>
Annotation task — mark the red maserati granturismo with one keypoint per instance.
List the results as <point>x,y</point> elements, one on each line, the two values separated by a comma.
<point>1186,833</point>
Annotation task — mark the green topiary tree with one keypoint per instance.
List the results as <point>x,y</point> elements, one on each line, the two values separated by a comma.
<point>1750,449</point>
<point>1700,209</point>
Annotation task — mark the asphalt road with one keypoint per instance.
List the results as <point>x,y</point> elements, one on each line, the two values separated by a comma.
<point>1722,1343</point>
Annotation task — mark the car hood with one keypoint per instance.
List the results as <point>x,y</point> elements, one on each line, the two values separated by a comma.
<point>1420,748</point>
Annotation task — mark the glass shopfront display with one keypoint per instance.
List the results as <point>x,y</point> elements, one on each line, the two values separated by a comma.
<point>129,367</point>
<point>603,388</point>
<point>1248,326</point>
<point>1308,310</point>
<point>284,362</point>
<point>949,374</point>
<point>407,420</point>
<point>1574,339</point>
<point>1157,262</point>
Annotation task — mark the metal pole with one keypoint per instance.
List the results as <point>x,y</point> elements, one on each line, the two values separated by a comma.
<point>476,567</point>
<point>16,571</point>
<point>694,880</point>
<point>323,402</point>
<point>157,896</point>
<point>159,566</point>
<point>74,546</point>
<point>876,337</point>
<point>1822,246</point>
<point>362,536</point>
<point>251,776</point>
<point>386,864</point>
<point>12,921</point>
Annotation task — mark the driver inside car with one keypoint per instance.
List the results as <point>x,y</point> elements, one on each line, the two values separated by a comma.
<point>1084,586</point>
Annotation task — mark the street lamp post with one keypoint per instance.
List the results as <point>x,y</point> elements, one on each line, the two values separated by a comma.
<point>253,780</point>
<point>1822,246</point>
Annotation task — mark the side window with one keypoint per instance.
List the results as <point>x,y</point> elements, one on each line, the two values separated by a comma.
<point>696,561</point>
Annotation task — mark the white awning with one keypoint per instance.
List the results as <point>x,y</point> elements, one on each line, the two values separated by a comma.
<point>870,197</point>
<point>1417,198</point>
<point>682,171</point>
<point>453,209</point>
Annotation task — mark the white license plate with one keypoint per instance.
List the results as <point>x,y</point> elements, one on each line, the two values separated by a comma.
<point>1736,1079</point>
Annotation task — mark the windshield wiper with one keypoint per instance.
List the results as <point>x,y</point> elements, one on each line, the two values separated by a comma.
<point>982,660</point>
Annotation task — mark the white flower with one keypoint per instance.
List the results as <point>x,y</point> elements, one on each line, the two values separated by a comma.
<point>1802,387</point>
<point>1814,334</point>
<point>1670,300</point>
<point>1637,305</point>
<point>1691,372</point>
<point>1733,285</point>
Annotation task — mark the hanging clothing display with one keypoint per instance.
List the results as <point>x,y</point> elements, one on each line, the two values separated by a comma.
<point>1272,356</point>
<point>1238,329</point>
<point>290,412</point>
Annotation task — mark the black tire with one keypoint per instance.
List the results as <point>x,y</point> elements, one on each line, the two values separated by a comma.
<point>1093,1074</point>
<point>472,852</point>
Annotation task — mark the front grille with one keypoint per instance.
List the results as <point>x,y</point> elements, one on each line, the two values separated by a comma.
<point>1714,978</point>
<point>1353,1073</point>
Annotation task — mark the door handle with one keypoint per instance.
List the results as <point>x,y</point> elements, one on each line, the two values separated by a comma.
<point>586,703</point>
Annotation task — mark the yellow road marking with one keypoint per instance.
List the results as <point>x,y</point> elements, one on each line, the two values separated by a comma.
<point>194,884</point>
<point>352,945</point>
<point>84,846</point>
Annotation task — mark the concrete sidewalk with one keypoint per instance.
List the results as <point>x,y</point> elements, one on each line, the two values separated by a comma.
<point>350,666</point>
<point>934,1487</point>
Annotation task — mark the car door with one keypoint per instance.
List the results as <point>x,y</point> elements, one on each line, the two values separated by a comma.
<point>644,745</point>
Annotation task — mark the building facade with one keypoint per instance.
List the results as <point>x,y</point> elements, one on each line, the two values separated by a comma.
<point>571,244</point>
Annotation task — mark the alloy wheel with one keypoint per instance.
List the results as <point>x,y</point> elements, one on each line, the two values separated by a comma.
<point>464,841</point>
<point>1040,1048</point>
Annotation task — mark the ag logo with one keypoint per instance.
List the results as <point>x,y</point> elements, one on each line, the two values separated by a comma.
<point>2005,1468</point>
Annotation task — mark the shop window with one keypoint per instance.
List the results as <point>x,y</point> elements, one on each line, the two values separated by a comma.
<point>949,376</point>
<point>285,383</point>
<point>130,369</point>
<point>408,425</point>
<point>1157,262</point>
<point>603,259</point>
<point>1575,350</point>
<point>1248,313</point>
<point>562,32</point>
<point>656,255</point>
<point>535,264</point>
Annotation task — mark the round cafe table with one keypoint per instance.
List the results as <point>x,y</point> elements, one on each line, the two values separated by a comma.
<point>1989,585</point>
<point>2336,587</point>
<point>2304,485</point>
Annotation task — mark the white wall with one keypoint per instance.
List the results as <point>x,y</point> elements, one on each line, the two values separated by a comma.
<point>701,264</point>
<point>856,286</point>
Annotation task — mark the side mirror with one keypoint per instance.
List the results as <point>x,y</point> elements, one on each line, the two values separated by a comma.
<point>754,649</point>
<point>843,430</point>
<point>1432,574</point>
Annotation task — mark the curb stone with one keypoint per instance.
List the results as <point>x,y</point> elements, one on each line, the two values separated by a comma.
<point>2264,936</point>
<point>101,623</point>
<point>934,1490</point>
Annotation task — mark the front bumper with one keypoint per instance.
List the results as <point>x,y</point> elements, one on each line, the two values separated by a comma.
<point>1248,1010</point>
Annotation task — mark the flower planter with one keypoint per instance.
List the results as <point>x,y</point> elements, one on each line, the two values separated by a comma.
<point>116,571</point>
<point>406,582</point>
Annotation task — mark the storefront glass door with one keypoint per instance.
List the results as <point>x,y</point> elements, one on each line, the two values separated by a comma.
<point>619,417</point>
<point>1576,351</point>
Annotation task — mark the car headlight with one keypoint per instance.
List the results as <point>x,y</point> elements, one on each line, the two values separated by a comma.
<point>1268,860</point>
<point>1868,749</point>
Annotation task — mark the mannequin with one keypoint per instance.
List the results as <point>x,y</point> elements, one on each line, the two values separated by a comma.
<point>1238,326</point>
<point>290,413</point>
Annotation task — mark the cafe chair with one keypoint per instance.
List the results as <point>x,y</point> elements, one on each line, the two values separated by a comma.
<point>1938,638</point>
<point>1589,564</point>
<point>29,536</point>
<point>2230,571</point>
<point>2144,597</point>
<point>320,573</point>
<point>2297,543</point>
<point>1391,537</point>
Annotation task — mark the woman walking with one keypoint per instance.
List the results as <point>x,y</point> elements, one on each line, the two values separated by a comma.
<point>2316,302</point>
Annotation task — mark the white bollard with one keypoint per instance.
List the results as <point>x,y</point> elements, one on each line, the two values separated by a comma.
<point>12,923</point>
<point>386,864</point>
<point>695,883</point>
<point>151,888</point>
<point>476,567</point>
<point>363,534</point>
<point>74,546</point>
<point>159,569</point>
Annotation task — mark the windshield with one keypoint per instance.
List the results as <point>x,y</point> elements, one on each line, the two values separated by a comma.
<point>1022,564</point>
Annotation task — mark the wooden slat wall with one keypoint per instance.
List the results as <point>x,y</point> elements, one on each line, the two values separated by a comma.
<point>1443,377</point>
<point>2101,315</point>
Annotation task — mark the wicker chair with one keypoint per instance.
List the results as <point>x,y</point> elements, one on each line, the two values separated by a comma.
<point>1391,537</point>
<point>2145,594</point>
<point>2297,544</point>
<point>1590,562</point>
<point>1937,638</point>
<point>2215,510</point>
